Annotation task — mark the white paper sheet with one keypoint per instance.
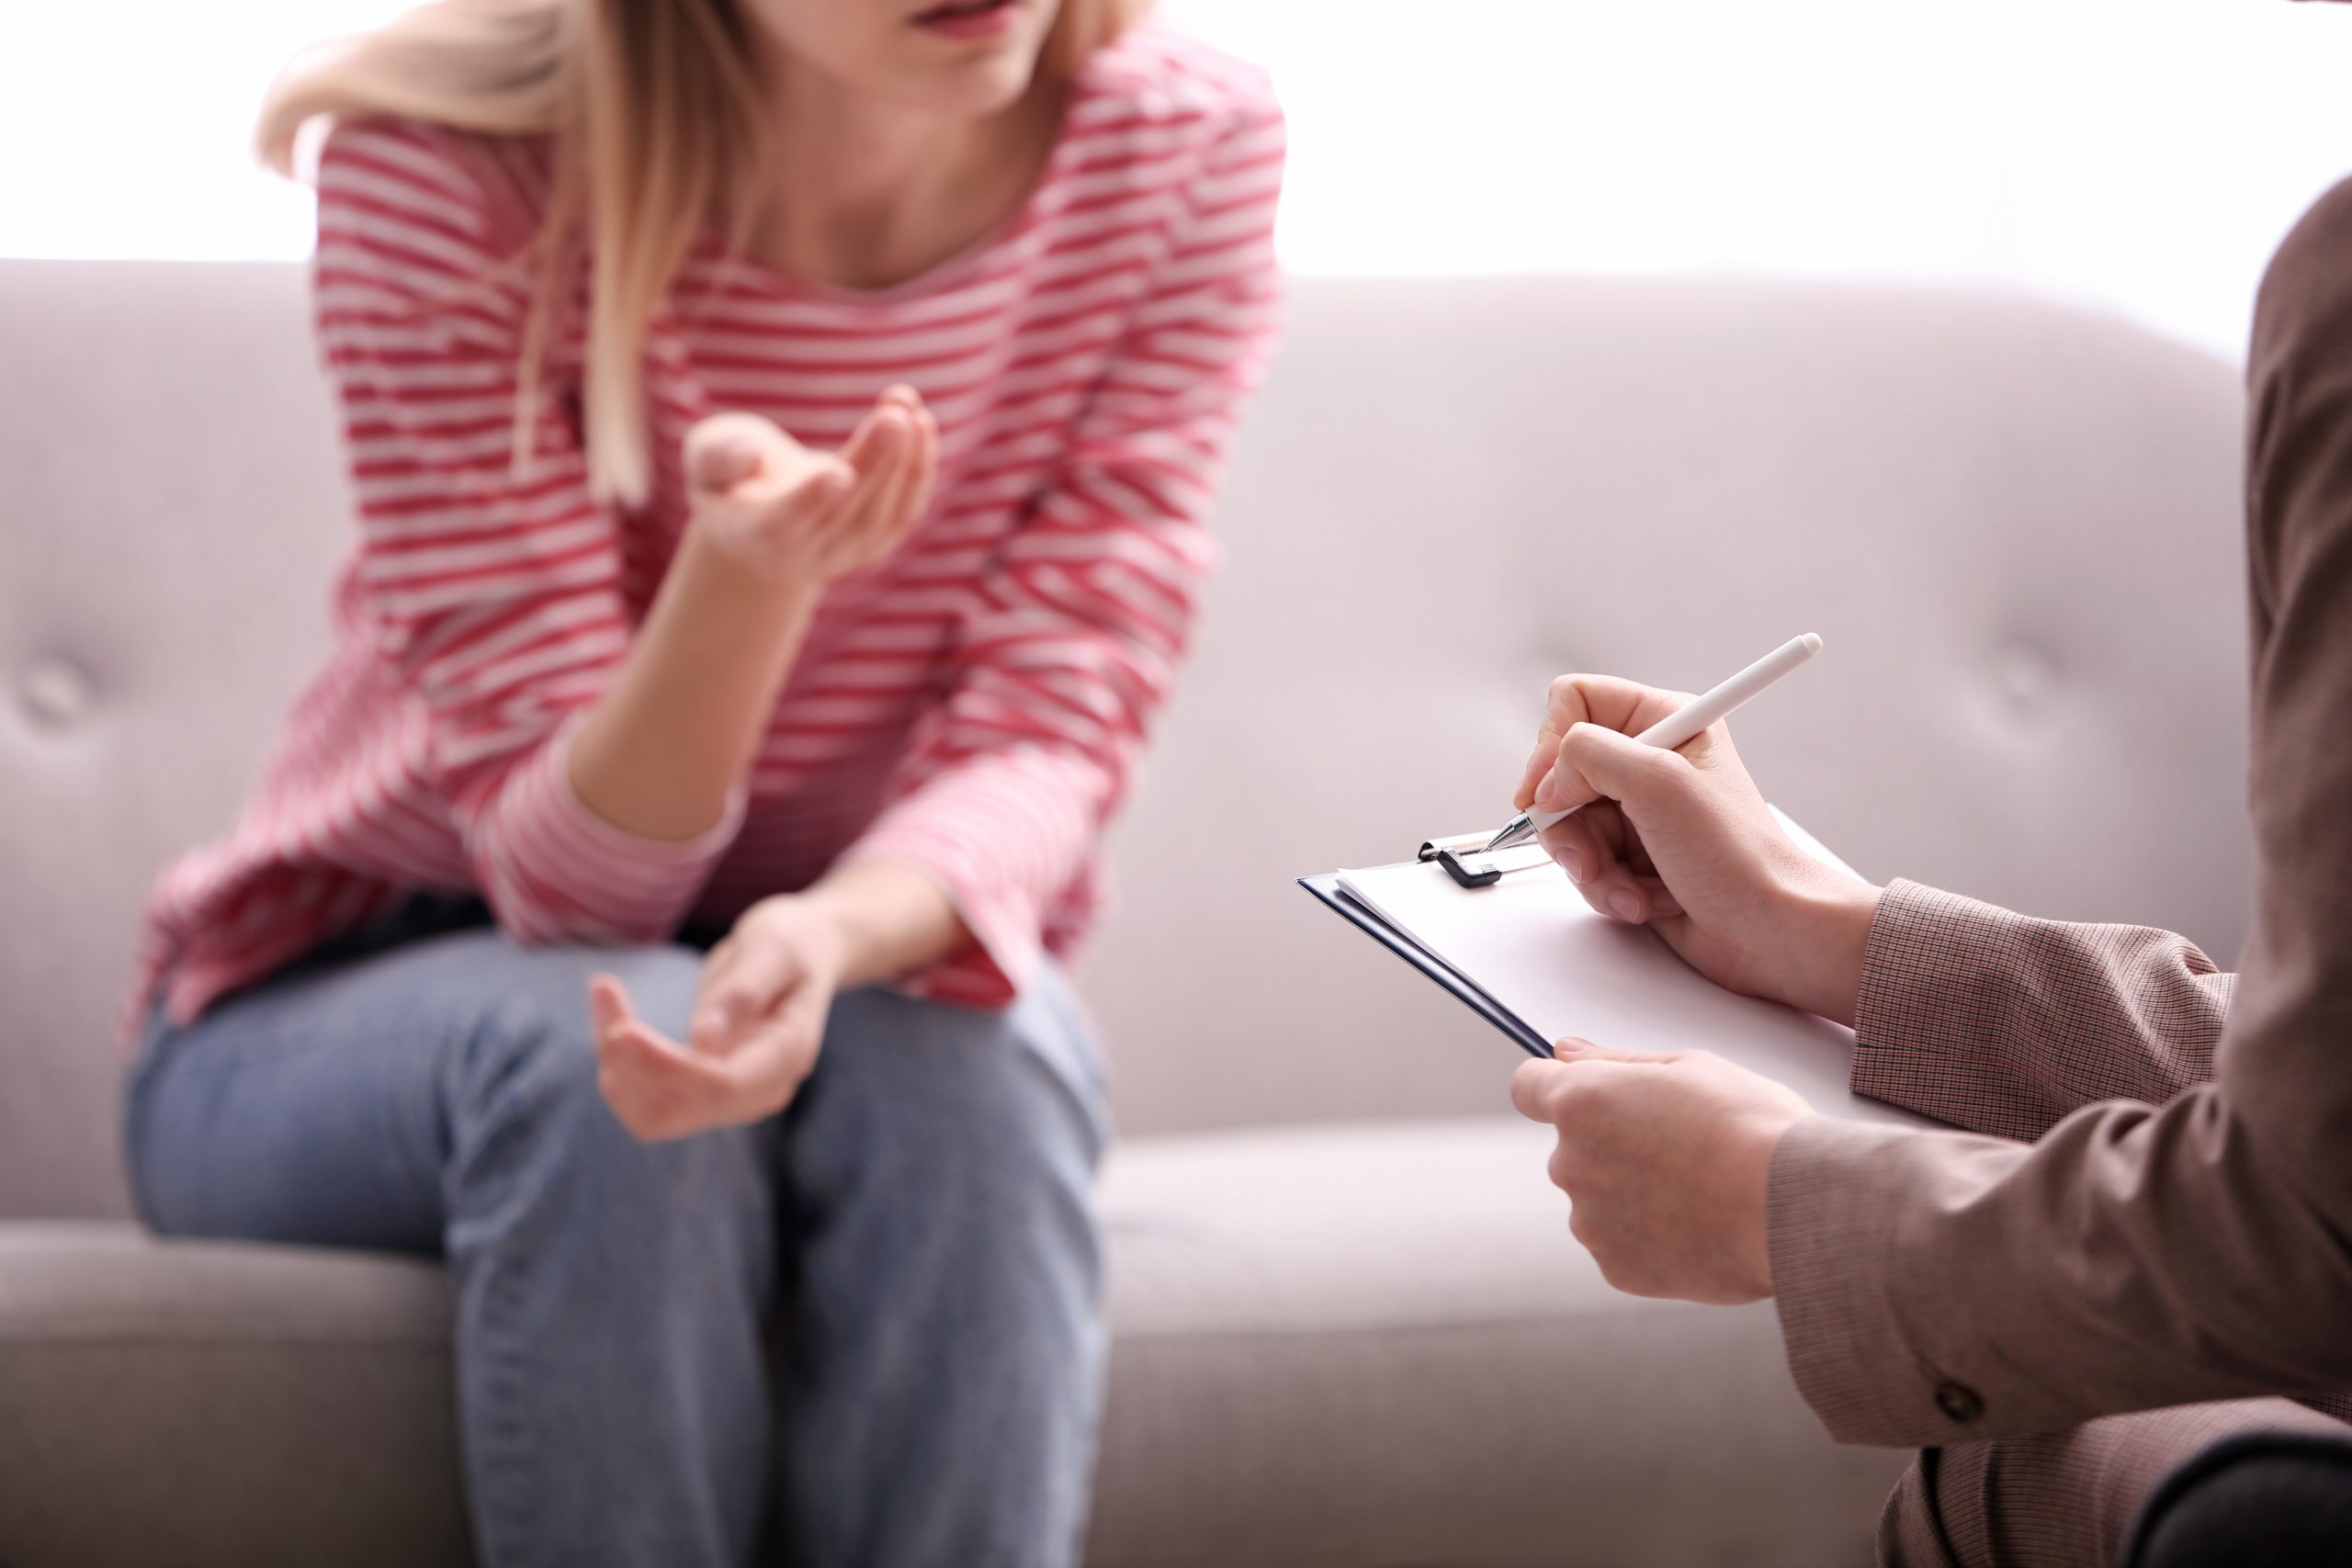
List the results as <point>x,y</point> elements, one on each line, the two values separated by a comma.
<point>1530,943</point>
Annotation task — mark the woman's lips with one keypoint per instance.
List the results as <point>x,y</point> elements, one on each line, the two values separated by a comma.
<point>970,19</point>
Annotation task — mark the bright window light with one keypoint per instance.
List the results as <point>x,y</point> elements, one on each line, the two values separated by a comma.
<point>2137,155</point>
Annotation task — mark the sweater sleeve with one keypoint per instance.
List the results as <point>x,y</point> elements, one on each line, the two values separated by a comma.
<point>491,594</point>
<point>1069,643</point>
<point>1943,1287</point>
<point>2004,1024</point>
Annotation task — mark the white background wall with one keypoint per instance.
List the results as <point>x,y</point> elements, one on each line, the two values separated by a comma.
<point>2143,156</point>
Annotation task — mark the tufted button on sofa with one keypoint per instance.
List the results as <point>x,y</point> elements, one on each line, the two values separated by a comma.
<point>1349,1327</point>
<point>57,694</point>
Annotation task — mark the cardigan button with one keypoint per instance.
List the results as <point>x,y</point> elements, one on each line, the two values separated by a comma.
<point>1959,1402</point>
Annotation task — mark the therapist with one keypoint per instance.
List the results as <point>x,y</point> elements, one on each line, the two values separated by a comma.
<point>2086,1306</point>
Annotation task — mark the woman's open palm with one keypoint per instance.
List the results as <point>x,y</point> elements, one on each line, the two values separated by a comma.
<point>796,514</point>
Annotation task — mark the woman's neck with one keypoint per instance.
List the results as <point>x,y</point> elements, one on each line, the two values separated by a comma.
<point>863,194</point>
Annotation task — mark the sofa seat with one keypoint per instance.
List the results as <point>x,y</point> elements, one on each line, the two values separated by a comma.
<point>1406,1358</point>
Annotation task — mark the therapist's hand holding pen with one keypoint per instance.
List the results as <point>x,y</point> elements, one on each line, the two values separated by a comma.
<point>1667,1158</point>
<point>1682,841</point>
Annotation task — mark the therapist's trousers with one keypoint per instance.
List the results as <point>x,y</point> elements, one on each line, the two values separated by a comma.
<point>867,1328</point>
<point>2242,1483</point>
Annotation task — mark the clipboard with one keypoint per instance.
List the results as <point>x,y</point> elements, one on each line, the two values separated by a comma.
<point>1327,888</point>
<point>1510,937</point>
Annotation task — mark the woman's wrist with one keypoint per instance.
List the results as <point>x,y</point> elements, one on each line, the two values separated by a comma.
<point>707,572</point>
<point>889,919</point>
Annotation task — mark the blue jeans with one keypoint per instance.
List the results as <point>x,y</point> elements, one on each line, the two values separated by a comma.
<point>914,1235</point>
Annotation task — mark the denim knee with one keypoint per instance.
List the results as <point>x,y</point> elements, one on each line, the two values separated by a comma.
<point>985,1124</point>
<point>528,1048</point>
<point>522,1096</point>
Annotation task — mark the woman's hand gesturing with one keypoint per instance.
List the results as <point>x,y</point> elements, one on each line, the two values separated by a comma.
<point>794,515</point>
<point>754,1035</point>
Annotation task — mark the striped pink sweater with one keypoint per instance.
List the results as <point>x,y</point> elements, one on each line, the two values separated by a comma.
<point>974,707</point>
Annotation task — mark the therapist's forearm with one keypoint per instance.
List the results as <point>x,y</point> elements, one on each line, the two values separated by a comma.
<point>677,731</point>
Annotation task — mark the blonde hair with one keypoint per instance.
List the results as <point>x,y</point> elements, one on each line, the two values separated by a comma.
<point>651,107</point>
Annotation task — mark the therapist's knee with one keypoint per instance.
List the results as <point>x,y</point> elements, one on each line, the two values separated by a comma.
<point>2279,1502</point>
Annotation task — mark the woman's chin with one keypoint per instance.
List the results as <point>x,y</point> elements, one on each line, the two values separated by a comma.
<point>979,86</point>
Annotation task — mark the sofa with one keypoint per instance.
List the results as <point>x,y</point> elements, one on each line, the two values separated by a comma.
<point>1349,1327</point>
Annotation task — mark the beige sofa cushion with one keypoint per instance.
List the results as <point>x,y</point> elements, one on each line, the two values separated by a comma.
<point>1332,1347</point>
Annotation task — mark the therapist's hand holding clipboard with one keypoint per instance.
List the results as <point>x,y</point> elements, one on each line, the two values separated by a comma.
<point>1666,1158</point>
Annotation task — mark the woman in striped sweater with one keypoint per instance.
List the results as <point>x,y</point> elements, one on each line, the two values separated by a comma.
<point>782,432</point>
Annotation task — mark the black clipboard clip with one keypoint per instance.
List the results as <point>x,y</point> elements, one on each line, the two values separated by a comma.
<point>1467,861</point>
<point>1469,873</point>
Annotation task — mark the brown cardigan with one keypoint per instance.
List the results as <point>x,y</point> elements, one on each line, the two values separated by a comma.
<point>2180,1228</point>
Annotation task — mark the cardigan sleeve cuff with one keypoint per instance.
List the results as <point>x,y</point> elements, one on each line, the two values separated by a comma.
<point>1873,1312</point>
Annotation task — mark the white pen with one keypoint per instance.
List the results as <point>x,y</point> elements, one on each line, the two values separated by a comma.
<point>1680,726</point>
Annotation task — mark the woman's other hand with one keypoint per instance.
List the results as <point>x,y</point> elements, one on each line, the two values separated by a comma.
<point>754,1036</point>
<point>795,515</point>
<point>1684,843</point>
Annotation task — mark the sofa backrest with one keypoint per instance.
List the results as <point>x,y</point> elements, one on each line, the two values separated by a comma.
<point>2017,528</point>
